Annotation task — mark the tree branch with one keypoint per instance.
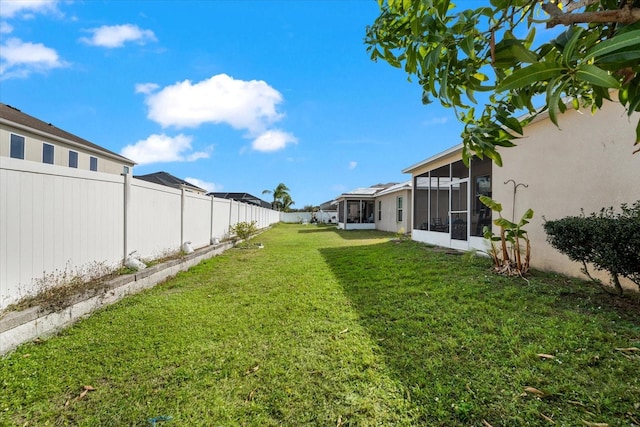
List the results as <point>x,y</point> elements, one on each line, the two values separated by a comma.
<point>570,6</point>
<point>626,15</point>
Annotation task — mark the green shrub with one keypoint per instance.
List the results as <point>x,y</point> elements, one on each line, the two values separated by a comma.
<point>244,230</point>
<point>608,240</point>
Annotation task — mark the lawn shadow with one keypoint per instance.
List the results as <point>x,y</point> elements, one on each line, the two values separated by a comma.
<point>354,234</point>
<point>455,335</point>
<point>396,308</point>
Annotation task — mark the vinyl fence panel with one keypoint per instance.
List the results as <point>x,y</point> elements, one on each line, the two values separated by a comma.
<point>56,221</point>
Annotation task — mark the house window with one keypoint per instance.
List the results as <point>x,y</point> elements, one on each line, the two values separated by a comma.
<point>47,153</point>
<point>17,147</point>
<point>399,208</point>
<point>73,159</point>
<point>93,163</point>
<point>379,210</point>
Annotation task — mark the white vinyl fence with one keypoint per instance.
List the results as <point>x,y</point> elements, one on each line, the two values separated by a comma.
<point>324,217</point>
<point>57,221</point>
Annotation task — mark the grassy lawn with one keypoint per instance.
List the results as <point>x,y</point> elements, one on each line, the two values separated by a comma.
<point>336,328</point>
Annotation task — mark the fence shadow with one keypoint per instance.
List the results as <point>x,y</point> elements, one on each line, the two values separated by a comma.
<point>347,234</point>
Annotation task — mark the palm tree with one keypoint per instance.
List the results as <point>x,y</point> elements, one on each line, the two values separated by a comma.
<point>287,202</point>
<point>281,198</point>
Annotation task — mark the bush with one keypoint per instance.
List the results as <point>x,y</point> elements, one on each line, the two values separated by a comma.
<point>244,230</point>
<point>609,241</point>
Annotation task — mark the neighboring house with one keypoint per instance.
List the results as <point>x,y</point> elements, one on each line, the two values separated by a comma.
<point>25,137</point>
<point>393,208</point>
<point>242,197</point>
<point>587,165</point>
<point>166,179</point>
<point>383,207</point>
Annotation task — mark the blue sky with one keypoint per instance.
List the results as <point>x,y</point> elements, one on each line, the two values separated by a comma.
<point>230,95</point>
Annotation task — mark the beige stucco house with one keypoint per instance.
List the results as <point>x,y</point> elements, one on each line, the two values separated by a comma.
<point>586,164</point>
<point>25,137</point>
<point>393,208</point>
<point>385,207</point>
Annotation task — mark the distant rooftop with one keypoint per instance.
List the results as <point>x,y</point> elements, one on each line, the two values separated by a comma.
<point>367,191</point>
<point>242,197</point>
<point>166,179</point>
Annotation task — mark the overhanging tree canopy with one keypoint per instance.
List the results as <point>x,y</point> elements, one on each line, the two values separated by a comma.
<point>456,53</point>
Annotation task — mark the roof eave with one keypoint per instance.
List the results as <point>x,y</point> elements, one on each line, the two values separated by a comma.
<point>102,152</point>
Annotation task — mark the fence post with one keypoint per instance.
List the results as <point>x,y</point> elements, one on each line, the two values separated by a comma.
<point>125,225</point>
<point>181,217</point>
<point>211,223</point>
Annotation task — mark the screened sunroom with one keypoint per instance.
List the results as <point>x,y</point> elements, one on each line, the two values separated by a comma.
<point>446,206</point>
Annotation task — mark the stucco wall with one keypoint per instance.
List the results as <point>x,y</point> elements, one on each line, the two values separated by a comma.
<point>389,217</point>
<point>588,164</point>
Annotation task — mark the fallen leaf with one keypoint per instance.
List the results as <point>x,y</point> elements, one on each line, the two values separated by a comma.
<point>547,418</point>
<point>535,391</point>
<point>250,396</point>
<point>486,423</point>
<point>26,355</point>
<point>86,389</point>
<point>546,356</point>
<point>252,370</point>
<point>628,349</point>
<point>590,424</point>
<point>339,423</point>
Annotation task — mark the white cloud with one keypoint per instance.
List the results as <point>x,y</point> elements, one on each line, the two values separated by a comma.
<point>5,28</point>
<point>352,165</point>
<point>146,88</point>
<point>117,35</point>
<point>163,148</point>
<point>20,59</point>
<point>209,186</point>
<point>246,105</point>
<point>26,8</point>
<point>273,140</point>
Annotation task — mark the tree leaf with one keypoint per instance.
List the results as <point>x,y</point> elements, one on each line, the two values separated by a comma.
<point>511,122</point>
<point>490,203</point>
<point>531,74</point>
<point>505,223</point>
<point>622,57</point>
<point>596,76</point>
<point>570,47</point>
<point>553,101</point>
<point>630,38</point>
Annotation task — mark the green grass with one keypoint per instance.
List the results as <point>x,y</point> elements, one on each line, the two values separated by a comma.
<point>336,328</point>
